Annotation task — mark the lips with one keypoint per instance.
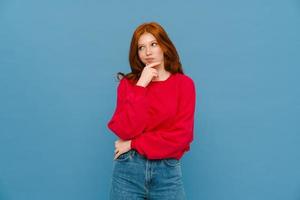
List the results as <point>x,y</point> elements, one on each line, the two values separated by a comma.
<point>149,59</point>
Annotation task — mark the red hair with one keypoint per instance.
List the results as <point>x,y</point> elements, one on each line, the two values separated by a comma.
<point>171,57</point>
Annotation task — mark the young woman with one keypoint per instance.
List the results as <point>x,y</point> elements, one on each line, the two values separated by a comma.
<point>154,119</point>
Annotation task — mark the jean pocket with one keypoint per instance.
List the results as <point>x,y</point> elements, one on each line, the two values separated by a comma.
<point>171,162</point>
<point>123,157</point>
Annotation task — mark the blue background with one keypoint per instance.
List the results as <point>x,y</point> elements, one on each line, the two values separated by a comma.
<point>58,61</point>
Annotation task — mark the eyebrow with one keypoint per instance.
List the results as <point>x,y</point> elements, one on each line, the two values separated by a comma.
<point>150,42</point>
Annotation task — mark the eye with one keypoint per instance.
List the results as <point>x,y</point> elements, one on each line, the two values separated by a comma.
<point>154,44</point>
<point>141,48</point>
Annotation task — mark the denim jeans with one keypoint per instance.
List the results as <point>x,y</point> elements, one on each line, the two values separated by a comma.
<point>135,177</point>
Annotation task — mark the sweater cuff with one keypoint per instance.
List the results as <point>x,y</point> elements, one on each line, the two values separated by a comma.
<point>133,144</point>
<point>139,90</point>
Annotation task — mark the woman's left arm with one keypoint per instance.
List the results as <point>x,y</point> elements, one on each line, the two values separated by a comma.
<point>172,142</point>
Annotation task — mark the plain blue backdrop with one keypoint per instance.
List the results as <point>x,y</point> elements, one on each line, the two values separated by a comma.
<point>58,61</point>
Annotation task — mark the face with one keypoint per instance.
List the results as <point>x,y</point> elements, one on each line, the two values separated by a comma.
<point>148,49</point>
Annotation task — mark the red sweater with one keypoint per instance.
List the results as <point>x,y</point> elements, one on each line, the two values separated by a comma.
<point>159,118</point>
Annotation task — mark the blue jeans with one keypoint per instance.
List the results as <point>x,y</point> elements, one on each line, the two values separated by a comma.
<point>136,177</point>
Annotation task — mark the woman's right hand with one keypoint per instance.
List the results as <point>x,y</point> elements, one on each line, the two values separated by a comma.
<point>148,73</point>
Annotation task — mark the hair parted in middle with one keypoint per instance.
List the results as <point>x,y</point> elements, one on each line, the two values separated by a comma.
<point>171,58</point>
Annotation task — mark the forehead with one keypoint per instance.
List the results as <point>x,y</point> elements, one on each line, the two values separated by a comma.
<point>145,38</point>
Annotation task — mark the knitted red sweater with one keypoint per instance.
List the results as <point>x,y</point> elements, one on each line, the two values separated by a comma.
<point>159,118</point>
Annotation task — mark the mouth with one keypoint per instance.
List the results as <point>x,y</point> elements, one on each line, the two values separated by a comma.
<point>149,60</point>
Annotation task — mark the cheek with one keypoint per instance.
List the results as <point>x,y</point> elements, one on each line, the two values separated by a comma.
<point>160,52</point>
<point>140,55</point>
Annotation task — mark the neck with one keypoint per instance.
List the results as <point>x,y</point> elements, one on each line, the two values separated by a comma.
<point>162,74</point>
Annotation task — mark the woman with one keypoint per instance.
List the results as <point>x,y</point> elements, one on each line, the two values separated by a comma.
<point>154,119</point>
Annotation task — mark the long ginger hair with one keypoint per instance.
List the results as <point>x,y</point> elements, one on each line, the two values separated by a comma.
<point>171,58</point>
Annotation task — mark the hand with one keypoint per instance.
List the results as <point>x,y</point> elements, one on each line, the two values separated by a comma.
<point>121,146</point>
<point>148,73</point>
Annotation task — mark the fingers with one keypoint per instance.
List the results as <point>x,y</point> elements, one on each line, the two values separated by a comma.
<point>152,64</point>
<point>121,146</point>
<point>116,155</point>
<point>152,70</point>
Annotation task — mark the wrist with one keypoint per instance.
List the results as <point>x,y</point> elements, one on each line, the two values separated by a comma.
<point>132,144</point>
<point>129,144</point>
<point>141,84</point>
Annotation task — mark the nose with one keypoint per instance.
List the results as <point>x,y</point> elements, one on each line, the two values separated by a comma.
<point>148,51</point>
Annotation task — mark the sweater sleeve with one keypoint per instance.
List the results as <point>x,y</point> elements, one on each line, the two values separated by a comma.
<point>129,118</point>
<point>173,142</point>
